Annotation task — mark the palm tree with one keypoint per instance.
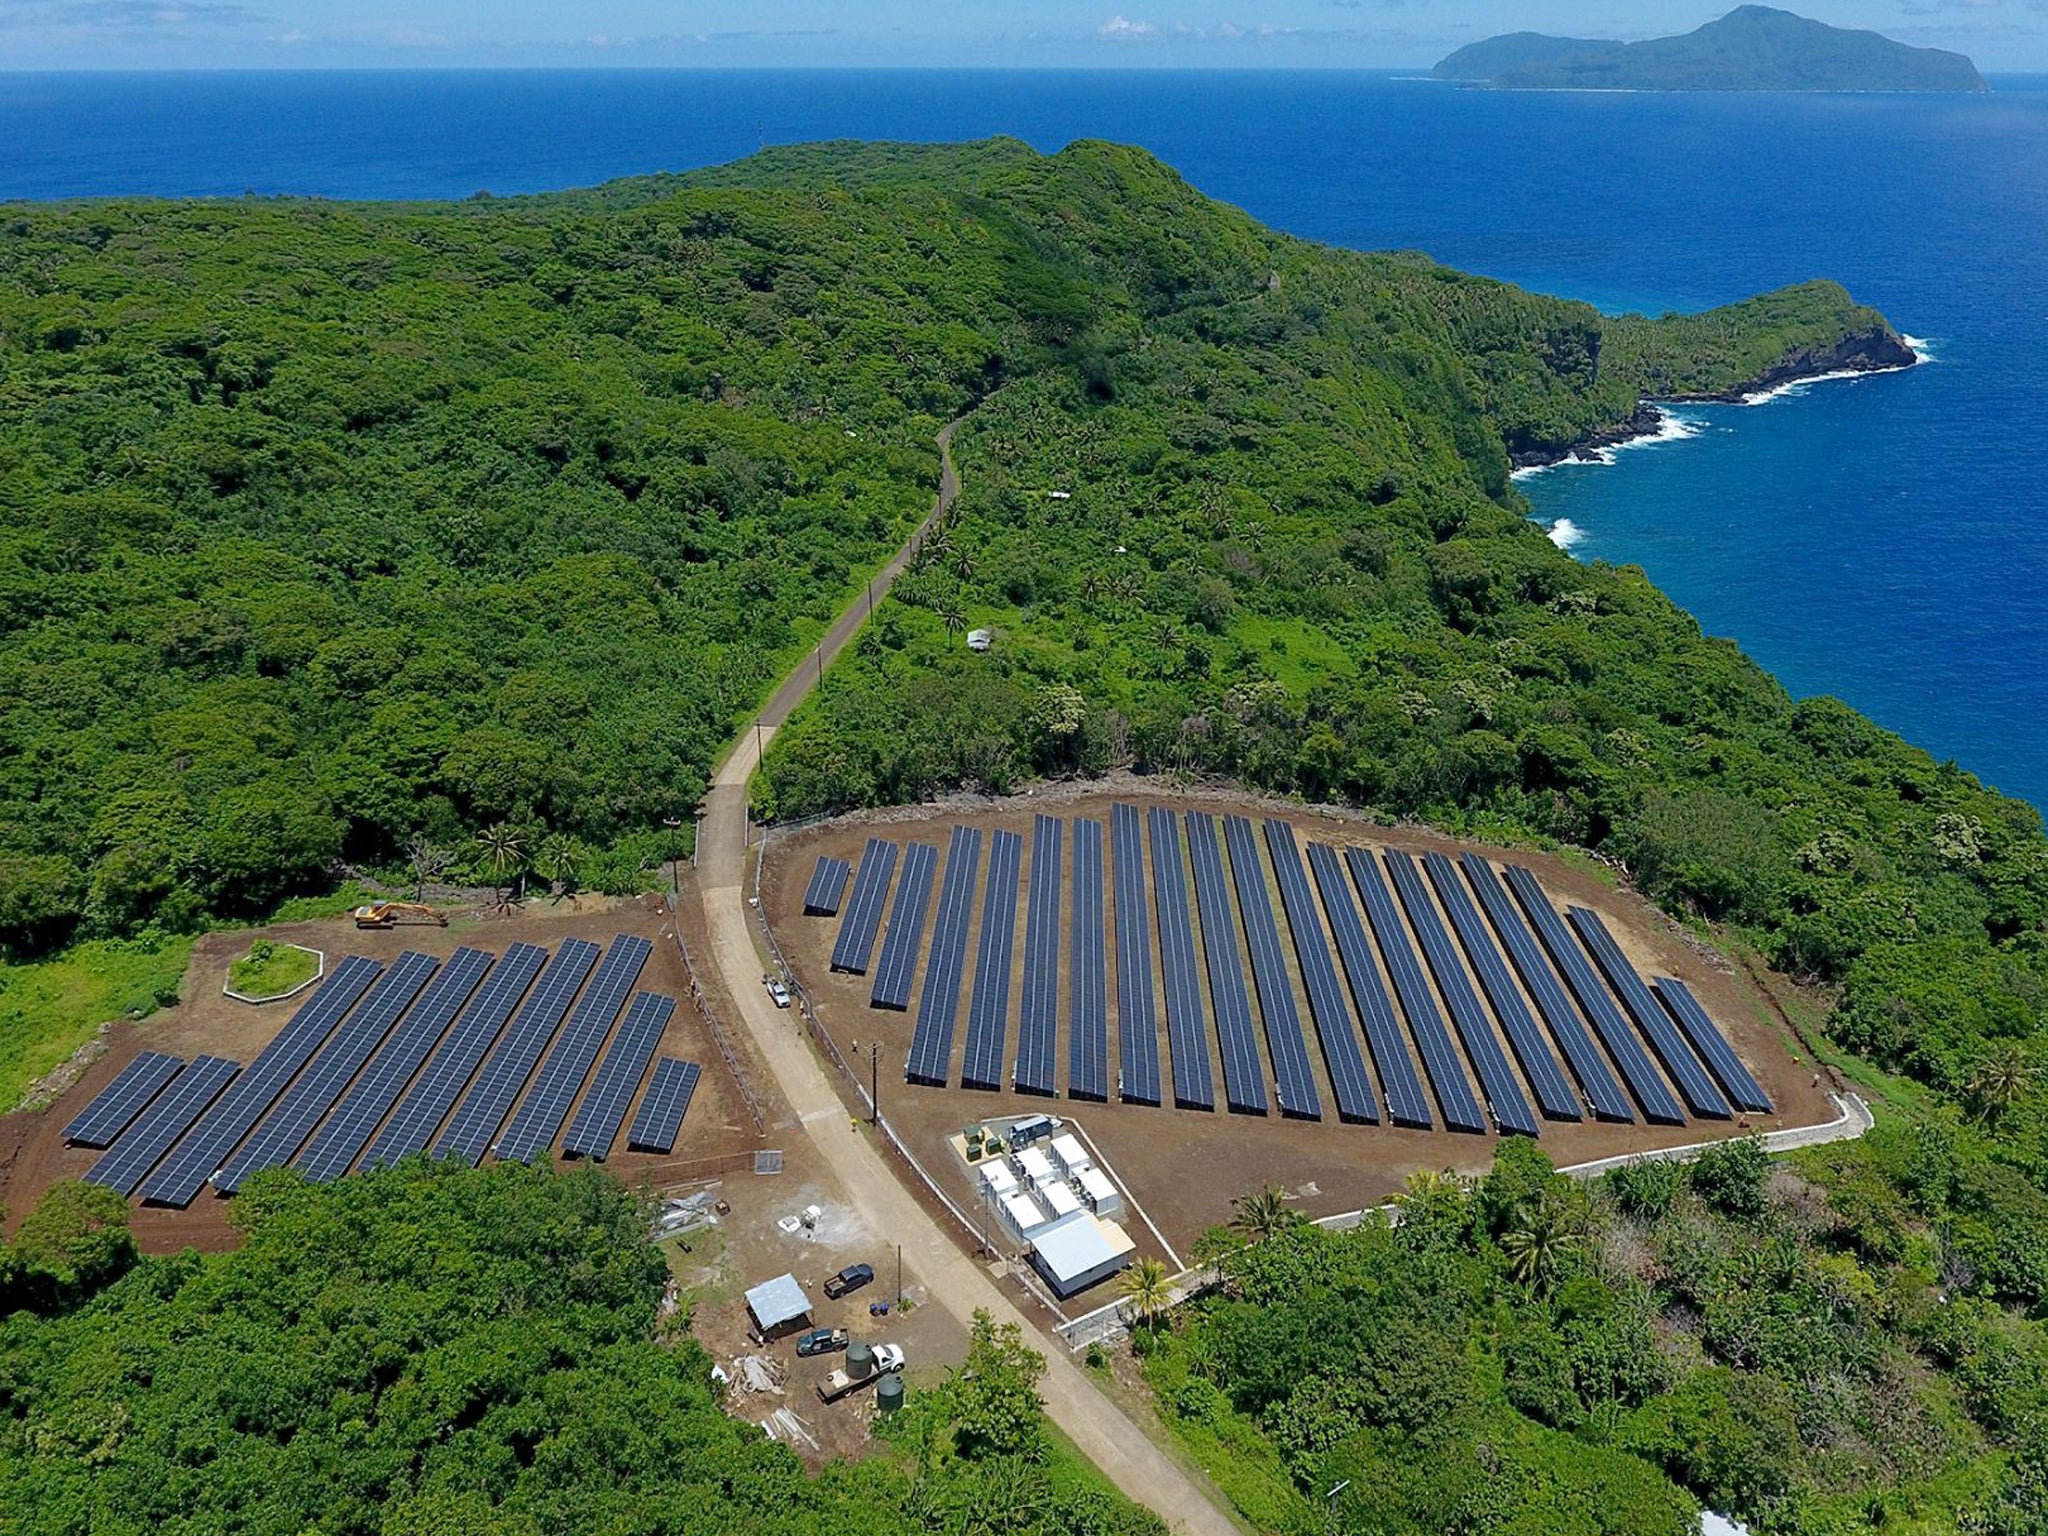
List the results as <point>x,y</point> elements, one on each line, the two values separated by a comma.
<point>952,617</point>
<point>558,860</point>
<point>2000,1080</point>
<point>1262,1214</point>
<point>504,850</point>
<point>1148,1291</point>
<point>1538,1237</point>
<point>963,563</point>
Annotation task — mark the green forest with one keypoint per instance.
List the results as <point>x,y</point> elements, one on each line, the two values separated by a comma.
<point>376,537</point>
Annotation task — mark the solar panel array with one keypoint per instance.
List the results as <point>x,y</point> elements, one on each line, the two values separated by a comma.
<point>828,885</point>
<point>1038,1013</point>
<point>898,965</point>
<point>856,941</point>
<point>473,1127</point>
<point>1294,1082</point>
<point>1656,1101</point>
<point>1684,1069</point>
<point>1555,1096</point>
<point>1596,1079</point>
<point>931,1045</point>
<point>1510,1106</point>
<point>341,1140</point>
<point>1727,1067</point>
<point>168,1117</point>
<point>1407,1104</point>
<point>1439,1060</point>
<point>1193,1087</point>
<point>1087,975</point>
<point>1244,1079</point>
<point>1137,1024</point>
<point>205,1147</point>
<point>988,1005</point>
<point>603,1109</point>
<point>660,1119</point>
<point>539,1120</point>
<point>117,1104</point>
<point>433,1093</point>
<point>299,1108</point>
<point>1348,1077</point>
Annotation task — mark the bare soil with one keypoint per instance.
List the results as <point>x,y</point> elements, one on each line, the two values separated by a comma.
<point>1185,1166</point>
<point>718,1135</point>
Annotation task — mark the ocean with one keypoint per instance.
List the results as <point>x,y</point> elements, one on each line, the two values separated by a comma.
<point>1879,539</point>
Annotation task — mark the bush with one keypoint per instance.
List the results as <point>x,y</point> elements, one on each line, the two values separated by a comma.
<point>1730,1176</point>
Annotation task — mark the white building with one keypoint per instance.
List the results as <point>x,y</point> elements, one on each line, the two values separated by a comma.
<point>1058,1199</point>
<point>1034,1167</point>
<point>1069,1156</point>
<point>1022,1214</point>
<point>1100,1193</point>
<point>1078,1251</point>
<point>997,1180</point>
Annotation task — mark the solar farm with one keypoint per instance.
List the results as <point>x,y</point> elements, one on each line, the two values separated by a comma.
<point>516,1055</point>
<point>1330,999</point>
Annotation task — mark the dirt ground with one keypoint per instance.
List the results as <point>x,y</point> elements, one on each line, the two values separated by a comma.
<point>718,1133</point>
<point>1165,1157</point>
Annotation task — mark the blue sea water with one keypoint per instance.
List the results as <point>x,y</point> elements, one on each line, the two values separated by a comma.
<point>1880,539</point>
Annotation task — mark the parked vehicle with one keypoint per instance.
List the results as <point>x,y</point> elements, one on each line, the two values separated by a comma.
<point>851,1278</point>
<point>778,994</point>
<point>821,1341</point>
<point>888,1357</point>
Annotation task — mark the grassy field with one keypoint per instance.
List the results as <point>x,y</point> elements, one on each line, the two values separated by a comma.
<point>272,970</point>
<point>48,1010</point>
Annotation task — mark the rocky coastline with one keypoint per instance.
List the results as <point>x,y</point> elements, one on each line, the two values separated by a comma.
<point>1876,350</point>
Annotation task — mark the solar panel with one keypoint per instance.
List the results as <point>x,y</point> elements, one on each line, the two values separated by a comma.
<point>1694,1085</point>
<point>1406,1103</point>
<point>299,1108</point>
<point>1294,1082</point>
<point>330,1154</point>
<point>598,1117</point>
<point>1721,1060</point>
<point>1244,1080</point>
<point>205,1147</point>
<point>1454,1095</point>
<point>1087,976</point>
<point>1137,1024</point>
<point>1596,1079</point>
<point>661,1113</point>
<point>1653,1098</point>
<point>931,1044</point>
<point>115,1105</point>
<point>474,1125</point>
<point>828,885</point>
<point>1339,1040</point>
<point>539,1120</point>
<point>1554,1095</point>
<point>1504,1095</point>
<point>1038,1012</point>
<point>898,965</point>
<point>169,1115</point>
<point>864,910</point>
<point>1186,1029</point>
<point>988,1005</point>
<point>432,1095</point>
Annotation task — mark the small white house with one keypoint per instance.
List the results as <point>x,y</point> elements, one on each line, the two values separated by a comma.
<point>980,639</point>
<point>998,1180</point>
<point>1078,1251</point>
<point>1069,1156</point>
<point>1023,1214</point>
<point>1058,1199</point>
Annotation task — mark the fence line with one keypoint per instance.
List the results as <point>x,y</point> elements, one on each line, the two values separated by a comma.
<point>711,1020</point>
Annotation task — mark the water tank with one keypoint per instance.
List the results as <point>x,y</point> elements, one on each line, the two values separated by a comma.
<point>860,1360</point>
<point>889,1392</point>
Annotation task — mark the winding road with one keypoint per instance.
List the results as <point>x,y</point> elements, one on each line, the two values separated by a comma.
<point>950,1277</point>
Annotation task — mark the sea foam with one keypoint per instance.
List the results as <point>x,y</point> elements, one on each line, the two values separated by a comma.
<point>1564,533</point>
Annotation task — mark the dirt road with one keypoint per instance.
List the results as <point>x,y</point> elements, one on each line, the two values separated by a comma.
<point>952,1280</point>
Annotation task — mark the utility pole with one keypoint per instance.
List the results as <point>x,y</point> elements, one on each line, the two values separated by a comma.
<point>1330,1506</point>
<point>899,1277</point>
<point>675,857</point>
<point>875,1081</point>
<point>871,597</point>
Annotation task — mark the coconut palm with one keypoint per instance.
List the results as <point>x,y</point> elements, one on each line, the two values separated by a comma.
<point>504,851</point>
<point>1148,1292</point>
<point>963,563</point>
<point>1261,1214</point>
<point>558,859</point>
<point>1539,1235</point>
<point>2000,1080</point>
<point>951,616</point>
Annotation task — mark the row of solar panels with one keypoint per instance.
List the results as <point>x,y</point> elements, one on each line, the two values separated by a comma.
<point>377,1061</point>
<point>1547,987</point>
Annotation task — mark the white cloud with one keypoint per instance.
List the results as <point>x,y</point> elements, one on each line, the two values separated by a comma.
<point>1118,29</point>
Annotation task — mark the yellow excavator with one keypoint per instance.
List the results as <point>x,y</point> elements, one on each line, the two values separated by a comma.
<point>389,914</point>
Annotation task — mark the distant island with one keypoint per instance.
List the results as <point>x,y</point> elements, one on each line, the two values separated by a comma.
<point>1752,48</point>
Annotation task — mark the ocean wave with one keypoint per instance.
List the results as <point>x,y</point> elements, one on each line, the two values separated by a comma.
<point>1671,428</point>
<point>1921,347</point>
<point>1797,387</point>
<point>1564,533</point>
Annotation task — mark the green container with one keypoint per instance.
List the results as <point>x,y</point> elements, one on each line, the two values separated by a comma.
<point>860,1360</point>
<point>889,1393</point>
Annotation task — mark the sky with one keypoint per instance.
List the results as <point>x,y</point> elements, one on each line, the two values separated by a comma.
<point>1374,34</point>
